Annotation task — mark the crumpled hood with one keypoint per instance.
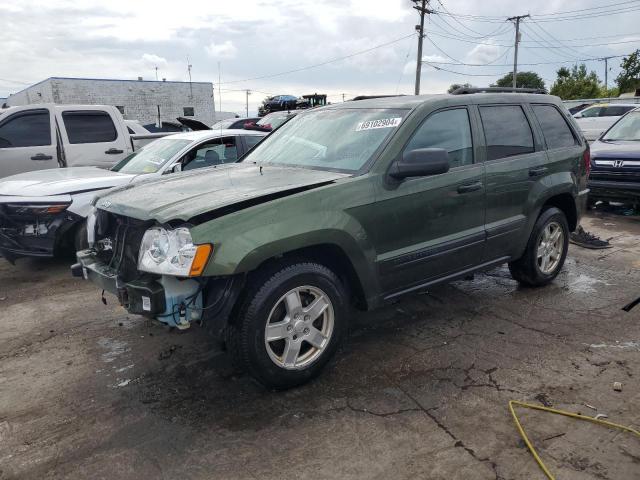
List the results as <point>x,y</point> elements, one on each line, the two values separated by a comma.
<point>185,195</point>
<point>616,149</point>
<point>58,181</point>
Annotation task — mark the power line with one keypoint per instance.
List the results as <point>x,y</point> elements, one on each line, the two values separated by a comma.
<point>309,67</point>
<point>479,35</point>
<point>525,64</point>
<point>462,73</point>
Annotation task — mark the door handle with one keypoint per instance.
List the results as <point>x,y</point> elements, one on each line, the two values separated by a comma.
<point>537,171</point>
<point>113,151</point>
<point>41,156</point>
<point>470,187</point>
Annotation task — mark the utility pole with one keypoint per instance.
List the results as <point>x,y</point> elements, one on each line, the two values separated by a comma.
<point>189,71</point>
<point>516,19</point>
<point>156,73</point>
<point>421,7</point>
<point>606,73</point>
<point>248,92</point>
<point>343,97</point>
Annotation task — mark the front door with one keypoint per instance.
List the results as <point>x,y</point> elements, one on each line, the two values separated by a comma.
<point>430,227</point>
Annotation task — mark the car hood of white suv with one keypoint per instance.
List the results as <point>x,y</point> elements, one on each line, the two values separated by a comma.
<point>59,181</point>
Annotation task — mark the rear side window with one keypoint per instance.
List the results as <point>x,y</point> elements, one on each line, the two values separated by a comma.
<point>450,130</point>
<point>506,130</point>
<point>89,127</point>
<point>252,140</point>
<point>615,111</point>
<point>554,127</point>
<point>28,129</point>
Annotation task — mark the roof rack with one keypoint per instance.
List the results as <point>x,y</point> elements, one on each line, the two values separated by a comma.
<point>369,97</point>
<point>467,90</point>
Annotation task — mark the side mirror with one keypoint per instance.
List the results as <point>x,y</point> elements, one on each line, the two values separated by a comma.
<point>421,162</point>
<point>578,115</point>
<point>176,168</point>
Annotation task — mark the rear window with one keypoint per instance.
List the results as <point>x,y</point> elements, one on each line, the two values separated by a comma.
<point>29,129</point>
<point>89,126</point>
<point>554,127</point>
<point>615,111</point>
<point>507,131</point>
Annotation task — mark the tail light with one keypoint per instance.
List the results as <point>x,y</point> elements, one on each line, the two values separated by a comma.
<point>586,158</point>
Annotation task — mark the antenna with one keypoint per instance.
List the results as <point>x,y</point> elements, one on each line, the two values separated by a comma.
<point>189,71</point>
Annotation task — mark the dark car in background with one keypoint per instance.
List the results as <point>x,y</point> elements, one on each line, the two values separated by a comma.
<point>278,103</point>
<point>615,162</point>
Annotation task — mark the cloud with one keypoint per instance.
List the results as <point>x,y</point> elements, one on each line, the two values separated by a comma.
<point>222,50</point>
<point>154,60</point>
<point>484,53</point>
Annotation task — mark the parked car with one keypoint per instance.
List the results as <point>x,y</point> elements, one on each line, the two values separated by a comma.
<point>234,122</point>
<point>597,118</point>
<point>278,103</point>
<point>44,212</point>
<point>578,108</point>
<point>349,205</point>
<point>271,121</point>
<point>37,137</point>
<point>615,162</point>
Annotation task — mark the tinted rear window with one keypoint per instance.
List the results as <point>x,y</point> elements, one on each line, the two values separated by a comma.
<point>554,127</point>
<point>30,129</point>
<point>614,111</point>
<point>89,127</point>
<point>506,130</point>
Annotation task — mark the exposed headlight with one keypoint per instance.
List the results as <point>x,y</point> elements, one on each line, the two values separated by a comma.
<point>172,252</point>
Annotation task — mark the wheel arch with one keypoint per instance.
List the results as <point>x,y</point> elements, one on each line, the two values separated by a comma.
<point>566,203</point>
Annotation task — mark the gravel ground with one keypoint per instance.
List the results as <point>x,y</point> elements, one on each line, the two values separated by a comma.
<point>420,389</point>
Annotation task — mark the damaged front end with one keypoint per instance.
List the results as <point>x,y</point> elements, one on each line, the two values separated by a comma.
<point>112,264</point>
<point>33,229</point>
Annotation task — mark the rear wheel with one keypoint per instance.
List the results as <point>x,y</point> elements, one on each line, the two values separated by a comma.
<point>546,250</point>
<point>289,325</point>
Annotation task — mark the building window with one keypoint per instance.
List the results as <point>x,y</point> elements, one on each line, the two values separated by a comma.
<point>188,111</point>
<point>120,108</point>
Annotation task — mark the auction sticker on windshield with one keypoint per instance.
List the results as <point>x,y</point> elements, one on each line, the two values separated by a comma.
<point>382,123</point>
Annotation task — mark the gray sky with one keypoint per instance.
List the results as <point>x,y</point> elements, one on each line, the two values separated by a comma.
<point>127,39</point>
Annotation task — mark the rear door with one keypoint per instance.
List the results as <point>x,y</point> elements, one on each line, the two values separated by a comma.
<point>515,162</point>
<point>27,142</point>
<point>93,137</point>
<point>433,226</point>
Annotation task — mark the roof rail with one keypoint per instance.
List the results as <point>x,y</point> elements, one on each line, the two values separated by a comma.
<point>467,90</point>
<point>369,97</point>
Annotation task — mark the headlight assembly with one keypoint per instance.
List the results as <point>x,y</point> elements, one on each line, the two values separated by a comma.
<point>172,252</point>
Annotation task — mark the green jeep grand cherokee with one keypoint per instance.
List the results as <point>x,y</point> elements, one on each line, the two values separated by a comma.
<point>346,206</point>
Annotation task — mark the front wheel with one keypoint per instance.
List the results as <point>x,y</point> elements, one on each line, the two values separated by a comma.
<point>290,324</point>
<point>546,250</point>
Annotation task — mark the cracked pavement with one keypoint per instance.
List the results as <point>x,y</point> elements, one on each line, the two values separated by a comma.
<point>419,390</point>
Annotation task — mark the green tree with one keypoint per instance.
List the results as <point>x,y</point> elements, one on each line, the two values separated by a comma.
<point>456,86</point>
<point>629,78</point>
<point>523,80</point>
<point>576,83</point>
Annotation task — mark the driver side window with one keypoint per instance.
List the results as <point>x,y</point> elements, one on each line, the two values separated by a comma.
<point>216,152</point>
<point>449,130</point>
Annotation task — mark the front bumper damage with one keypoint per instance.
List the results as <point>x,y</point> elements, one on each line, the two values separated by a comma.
<point>174,301</point>
<point>27,231</point>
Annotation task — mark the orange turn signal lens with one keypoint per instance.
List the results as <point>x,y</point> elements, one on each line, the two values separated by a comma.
<point>203,252</point>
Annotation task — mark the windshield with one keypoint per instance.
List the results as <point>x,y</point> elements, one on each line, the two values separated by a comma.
<point>627,128</point>
<point>152,157</point>
<point>342,140</point>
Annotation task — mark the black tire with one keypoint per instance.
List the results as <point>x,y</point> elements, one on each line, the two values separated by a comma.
<point>246,334</point>
<point>526,269</point>
<point>80,240</point>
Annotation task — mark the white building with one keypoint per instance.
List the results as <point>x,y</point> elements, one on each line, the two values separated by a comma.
<point>141,100</point>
